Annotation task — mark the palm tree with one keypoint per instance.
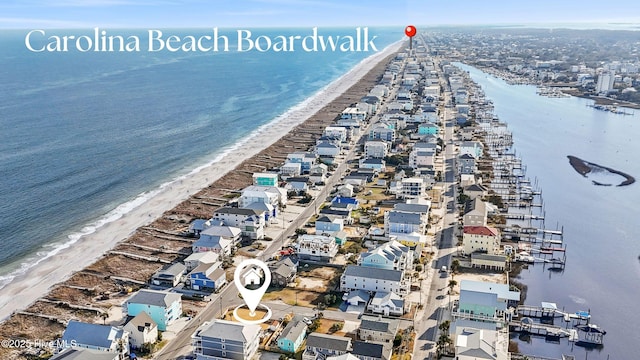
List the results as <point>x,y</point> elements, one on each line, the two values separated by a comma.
<point>452,284</point>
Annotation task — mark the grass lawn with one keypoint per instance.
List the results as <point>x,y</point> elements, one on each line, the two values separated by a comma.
<point>291,296</point>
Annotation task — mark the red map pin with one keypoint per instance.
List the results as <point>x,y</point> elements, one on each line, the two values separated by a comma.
<point>410,31</point>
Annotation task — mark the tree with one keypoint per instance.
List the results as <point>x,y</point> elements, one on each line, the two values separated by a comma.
<point>443,343</point>
<point>452,284</point>
<point>444,326</point>
<point>455,266</point>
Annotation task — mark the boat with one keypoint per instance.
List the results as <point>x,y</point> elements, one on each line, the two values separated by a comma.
<point>590,335</point>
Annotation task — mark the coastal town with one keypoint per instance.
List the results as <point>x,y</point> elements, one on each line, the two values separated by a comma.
<point>393,224</point>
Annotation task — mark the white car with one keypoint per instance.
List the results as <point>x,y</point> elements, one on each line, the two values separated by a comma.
<point>307,321</point>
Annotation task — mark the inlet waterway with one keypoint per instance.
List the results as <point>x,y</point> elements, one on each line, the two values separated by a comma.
<point>602,272</point>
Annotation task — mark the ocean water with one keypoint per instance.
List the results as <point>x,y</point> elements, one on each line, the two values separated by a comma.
<point>602,272</point>
<point>86,137</point>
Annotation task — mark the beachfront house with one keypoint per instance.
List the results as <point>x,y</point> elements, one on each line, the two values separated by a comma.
<point>336,133</point>
<point>391,255</point>
<point>142,330</point>
<point>317,248</point>
<point>480,239</point>
<point>305,159</point>
<point>387,304</point>
<point>290,169</point>
<point>84,354</point>
<point>321,346</point>
<point>96,337</point>
<point>353,113</point>
<point>169,276</point>
<point>378,329</point>
<point>292,336</point>
<point>270,195</point>
<point>250,222</point>
<point>473,148</point>
<point>265,179</point>
<point>222,339</point>
<point>196,259</point>
<point>213,243</point>
<point>374,280</point>
<point>162,306</point>
<point>327,149</point>
<point>208,277</point>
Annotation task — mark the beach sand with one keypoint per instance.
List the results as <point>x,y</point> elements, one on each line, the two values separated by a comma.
<point>27,288</point>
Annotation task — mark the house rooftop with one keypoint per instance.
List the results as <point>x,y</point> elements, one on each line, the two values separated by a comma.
<point>154,298</point>
<point>324,341</point>
<point>293,330</point>
<point>237,211</point>
<point>223,231</point>
<point>395,216</point>
<point>174,270</point>
<point>142,320</point>
<point>82,333</point>
<point>84,354</point>
<point>382,298</point>
<point>480,230</point>
<point>368,350</point>
<point>378,323</point>
<point>223,329</point>
<point>373,273</point>
<point>502,290</point>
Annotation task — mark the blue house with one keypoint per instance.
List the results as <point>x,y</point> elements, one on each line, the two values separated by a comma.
<point>346,200</point>
<point>305,159</point>
<point>292,336</point>
<point>427,129</point>
<point>328,224</point>
<point>207,276</point>
<point>162,306</point>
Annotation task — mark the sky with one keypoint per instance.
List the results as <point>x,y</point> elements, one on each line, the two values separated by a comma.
<point>37,14</point>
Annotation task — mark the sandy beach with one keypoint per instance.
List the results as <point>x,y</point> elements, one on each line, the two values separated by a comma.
<point>27,288</point>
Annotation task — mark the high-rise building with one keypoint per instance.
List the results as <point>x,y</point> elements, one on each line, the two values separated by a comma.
<point>605,82</point>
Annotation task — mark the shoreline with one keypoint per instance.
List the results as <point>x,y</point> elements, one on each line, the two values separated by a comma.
<point>75,255</point>
<point>583,168</point>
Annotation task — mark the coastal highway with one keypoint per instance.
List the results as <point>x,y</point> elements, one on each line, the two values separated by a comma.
<point>228,297</point>
<point>427,322</point>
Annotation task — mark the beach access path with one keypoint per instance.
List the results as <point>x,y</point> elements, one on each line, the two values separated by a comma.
<point>27,288</point>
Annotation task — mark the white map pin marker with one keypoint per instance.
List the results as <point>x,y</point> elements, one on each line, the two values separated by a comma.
<point>247,274</point>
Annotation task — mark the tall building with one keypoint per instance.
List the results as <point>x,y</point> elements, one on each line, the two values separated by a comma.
<point>605,82</point>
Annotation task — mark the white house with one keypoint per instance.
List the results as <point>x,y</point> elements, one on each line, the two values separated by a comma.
<point>196,259</point>
<point>473,148</point>
<point>250,222</point>
<point>271,195</point>
<point>386,303</point>
<point>327,149</point>
<point>406,227</point>
<point>291,169</point>
<point>336,132</point>
<point>481,238</point>
<point>142,330</point>
<point>317,247</point>
<point>376,149</point>
<point>480,344</point>
<point>391,255</point>
<point>421,158</point>
<point>306,160</point>
<point>354,113</point>
<point>214,243</point>
<point>318,173</point>
<point>475,213</point>
<point>412,188</point>
<point>372,279</point>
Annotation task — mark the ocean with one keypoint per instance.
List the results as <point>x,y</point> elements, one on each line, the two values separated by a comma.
<point>602,272</point>
<point>87,136</point>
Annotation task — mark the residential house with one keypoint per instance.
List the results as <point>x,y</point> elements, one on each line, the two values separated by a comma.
<point>291,169</point>
<point>467,164</point>
<point>217,244</point>
<point>197,225</point>
<point>292,336</point>
<point>382,132</point>
<point>476,191</point>
<point>473,148</point>
<point>374,279</point>
<point>406,227</point>
<point>371,351</point>
<point>378,165</point>
<point>463,109</point>
<point>421,158</point>
<point>480,239</point>
<point>391,256</point>
<point>484,301</point>
<point>169,276</point>
<point>96,337</point>
<point>196,259</point>
<point>320,346</point>
<point>475,213</point>
<point>357,298</point>
<point>297,185</point>
<point>354,113</point>
<point>306,160</point>
<point>265,179</point>
<point>318,173</point>
<point>283,272</point>
<point>488,261</point>
<point>376,149</point>
<point>480,344</point>
<point>461,119</point>
<point>207,277</point>
<point>329,224</point>
<point>345,190</point>
<point>250,222</point>
<point>317,247</point>
<point>327,149</point>
<point>336,132</point>
<point>275,196</point>
<point>142,330</point>
<point>221,339</point>
<point>346,356</point>
<point>412,188</point>
<point>467,179</point>
<point>377,329</point>
<point>387,303</point>
<point>428,129</point>
<point>84,354</point>
<point>162,306</point>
